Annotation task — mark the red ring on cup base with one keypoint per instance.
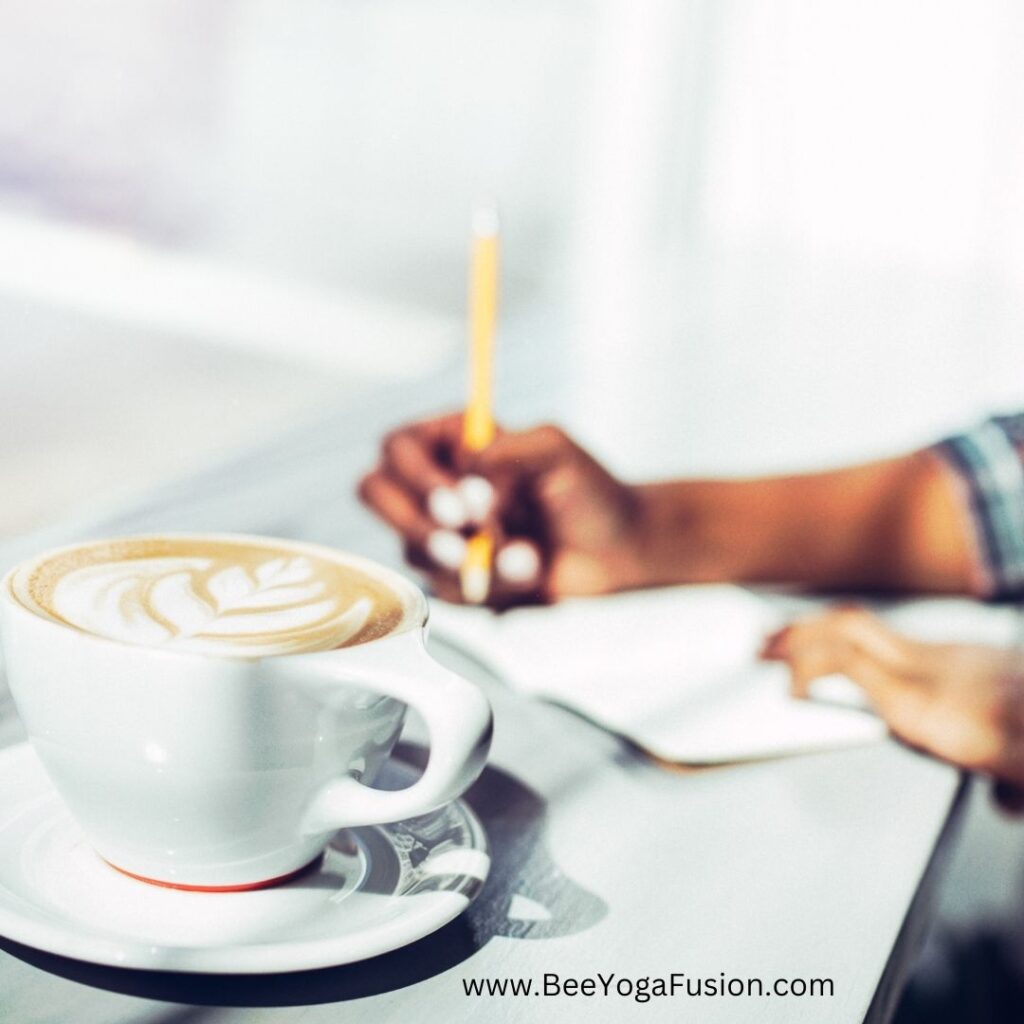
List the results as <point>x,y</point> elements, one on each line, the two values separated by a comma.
<point>244,887</point>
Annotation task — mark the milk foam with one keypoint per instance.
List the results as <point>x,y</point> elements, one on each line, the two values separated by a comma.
<point>217,599</point>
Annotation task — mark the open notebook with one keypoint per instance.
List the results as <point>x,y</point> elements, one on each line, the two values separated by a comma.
<point>676,671</point>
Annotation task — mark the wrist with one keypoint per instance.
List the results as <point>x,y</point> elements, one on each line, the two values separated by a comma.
<point>682,534</point>
<point>622,562</point>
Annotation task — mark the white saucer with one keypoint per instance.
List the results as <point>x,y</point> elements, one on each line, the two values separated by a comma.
<point>377,888</point>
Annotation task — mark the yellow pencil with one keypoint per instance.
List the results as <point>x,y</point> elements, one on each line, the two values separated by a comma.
<point>478,422</point>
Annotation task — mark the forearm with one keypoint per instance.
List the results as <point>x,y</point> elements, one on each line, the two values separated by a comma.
<point>891,525</point>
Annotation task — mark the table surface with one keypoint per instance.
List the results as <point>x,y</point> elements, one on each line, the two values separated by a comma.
<point>803,867</point>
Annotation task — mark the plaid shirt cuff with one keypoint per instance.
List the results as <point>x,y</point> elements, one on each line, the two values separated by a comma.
<point>990,463</point>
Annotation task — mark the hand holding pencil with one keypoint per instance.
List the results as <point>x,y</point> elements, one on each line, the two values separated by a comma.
<point>559,523</point>
<point>495,517</point>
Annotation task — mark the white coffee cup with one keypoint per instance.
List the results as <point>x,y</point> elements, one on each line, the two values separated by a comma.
<point>216,772</point>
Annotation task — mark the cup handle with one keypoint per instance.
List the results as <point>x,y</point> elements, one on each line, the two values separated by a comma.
<point>456,713</point>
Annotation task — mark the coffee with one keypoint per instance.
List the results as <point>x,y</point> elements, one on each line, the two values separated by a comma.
<point>238,596</point>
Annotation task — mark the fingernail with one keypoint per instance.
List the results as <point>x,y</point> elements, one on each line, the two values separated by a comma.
<point>477,496</point>
<point>446,548</point>
<point>446,507</point>
<point>518,562</point>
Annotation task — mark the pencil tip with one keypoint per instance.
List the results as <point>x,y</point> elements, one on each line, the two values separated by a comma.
<point>476,582</point>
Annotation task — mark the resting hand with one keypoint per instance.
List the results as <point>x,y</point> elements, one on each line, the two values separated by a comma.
<point>960,702</point>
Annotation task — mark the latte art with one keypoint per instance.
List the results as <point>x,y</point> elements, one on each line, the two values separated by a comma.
<point>210,596</point>
<point>184,601</point>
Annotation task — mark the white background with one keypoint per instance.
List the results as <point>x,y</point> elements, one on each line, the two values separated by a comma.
<point>744,236</point>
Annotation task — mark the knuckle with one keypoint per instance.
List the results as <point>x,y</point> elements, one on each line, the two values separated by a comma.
<point>391,442</point>
<point>550,434</point>
<point>851,615</point>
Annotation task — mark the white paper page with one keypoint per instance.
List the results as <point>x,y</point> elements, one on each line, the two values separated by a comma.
<point>673,670</point>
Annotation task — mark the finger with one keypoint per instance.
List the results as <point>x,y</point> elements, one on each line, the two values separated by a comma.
<point>406,457</point>
<point>396,506</point>
<point>447,508</point>
<point>910,711</point>
<point>414,457</point>
<point>806,666</point>
<point>419,556</point>
<point>441,582</point>
<point>428,456</point>
<point>856,628</point>
<point>515,577</point>
<point>870,634</point>
<point>447,586</point>
<point>442,434</point>
<point>885,688</point>
<point>470,501</point>
<point>824,651</point>
<point>516,572</point>
<point>446,549</point>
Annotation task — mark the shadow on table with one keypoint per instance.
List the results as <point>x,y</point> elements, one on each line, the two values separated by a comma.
<point>526,896</point>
